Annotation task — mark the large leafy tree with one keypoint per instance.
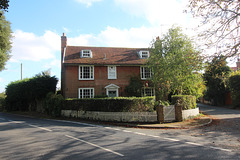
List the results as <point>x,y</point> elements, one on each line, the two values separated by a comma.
<point>174,61</point>
<point>4,4</point>
<point>220,21</point>
<point>5,41</point>
<point>216,75</point>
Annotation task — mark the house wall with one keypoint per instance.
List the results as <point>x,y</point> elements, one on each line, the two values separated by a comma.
<point>72,82</point>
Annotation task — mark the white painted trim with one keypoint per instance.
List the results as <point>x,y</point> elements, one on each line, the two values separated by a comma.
<point>140,54</point>
<point>144,78</point>
<point>79,96</point>
<point>115,76</point>
<point>112,87</point>
<point>90,52</point>
<point>82,72</point>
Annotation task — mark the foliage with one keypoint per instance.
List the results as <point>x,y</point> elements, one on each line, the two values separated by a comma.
<point>134,87</point>
<point>53,104</point>
<point>220,23</point>
<point>174,61</point>
<point>216,75</point>
<point>5,41</point>
<point>2,100</point>
<point>4,5</point>
<point>23,94</point>
<point>234,84</point>
<point>186,101</point>
<point>117,104</point>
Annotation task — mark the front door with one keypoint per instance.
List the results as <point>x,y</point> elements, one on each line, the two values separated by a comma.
<point>112,93</point>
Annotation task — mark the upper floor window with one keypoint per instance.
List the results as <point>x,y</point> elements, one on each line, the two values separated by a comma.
<point>145,72</point>
<point>86,54</point>
<point>143,54</point>
<point>112,72</point>
<point>86,72</point>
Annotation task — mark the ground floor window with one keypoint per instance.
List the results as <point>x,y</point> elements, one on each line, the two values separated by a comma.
<point>148,91</point>
<point>86,93</point>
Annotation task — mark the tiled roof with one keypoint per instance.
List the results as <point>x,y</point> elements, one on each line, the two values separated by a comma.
<point>104,55</point>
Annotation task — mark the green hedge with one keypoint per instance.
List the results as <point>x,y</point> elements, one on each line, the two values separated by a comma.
<point>234,84</point>
<point>23,94</point>
<point>187,101</point>
<point>118,104</point>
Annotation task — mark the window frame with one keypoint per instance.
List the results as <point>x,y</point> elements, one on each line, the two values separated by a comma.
<point>86,56</point>
<point>82,96</point>
<point>115,74</point>
<point>143,73</point>
<point>141,54</point>
<point>143,92</point>
<point>81,72</point>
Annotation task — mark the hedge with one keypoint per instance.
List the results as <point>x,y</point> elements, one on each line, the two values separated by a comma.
<point>234,83</point>
<point>23,94</point>
<point>187,101</point>
<point>118,104</point>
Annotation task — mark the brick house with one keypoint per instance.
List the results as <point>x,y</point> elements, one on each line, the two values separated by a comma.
<point>92,71</point>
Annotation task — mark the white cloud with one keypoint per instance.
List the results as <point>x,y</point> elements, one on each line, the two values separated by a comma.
<point>1,79</point>
<point>88,2</point>
<point>28,46</point>
<point>53,63</point>
<point>114,37</point>
<point>156,11</point>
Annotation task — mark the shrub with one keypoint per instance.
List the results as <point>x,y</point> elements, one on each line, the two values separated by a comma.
<point>23,95</point>
<point>234,84</point>
<point>118,104</point>
<point>53,104</point>
<point>2,101</point>
<point>187,101</point>
<point>134,87</point>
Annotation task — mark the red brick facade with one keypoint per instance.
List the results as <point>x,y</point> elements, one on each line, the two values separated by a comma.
<point>126,60</point>
<point>72,82</point>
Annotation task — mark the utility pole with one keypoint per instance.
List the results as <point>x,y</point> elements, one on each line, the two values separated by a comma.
<point>21,72</point>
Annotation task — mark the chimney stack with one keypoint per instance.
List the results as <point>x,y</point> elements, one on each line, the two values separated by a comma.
<point>63,41</point>
<point>238,64</point>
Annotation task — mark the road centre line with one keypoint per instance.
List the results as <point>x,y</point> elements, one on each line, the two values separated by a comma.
<point>222,149</point>
<point>49,130</point>
<point>105,149</point>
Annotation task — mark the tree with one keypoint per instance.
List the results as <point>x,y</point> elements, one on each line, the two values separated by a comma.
<point>221,21</point>
<point>216,75</point>
<point>174,62</point>
<point>5,41</point>
<point>4,5</point>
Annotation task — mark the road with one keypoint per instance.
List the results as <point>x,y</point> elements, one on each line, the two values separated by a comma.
<point>29,138</point>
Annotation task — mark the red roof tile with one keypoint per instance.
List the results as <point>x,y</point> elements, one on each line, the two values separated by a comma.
<point>104,55</point>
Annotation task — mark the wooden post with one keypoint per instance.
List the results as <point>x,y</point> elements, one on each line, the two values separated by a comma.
<point>160,114</point>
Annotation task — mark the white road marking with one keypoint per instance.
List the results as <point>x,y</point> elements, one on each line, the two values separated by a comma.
<point>127,131</point>
<point>227,150</point>
<point>49,130</point>
<point>140,133</point>
<point>81,123</point>
<point>105,149</point>
<point>171,139</point>
<point>18,122</point>
<point>153,136</point>
<point>192,143</point>
<point>111,128</point>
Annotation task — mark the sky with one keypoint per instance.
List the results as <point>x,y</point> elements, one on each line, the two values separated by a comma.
<point>37,27</point>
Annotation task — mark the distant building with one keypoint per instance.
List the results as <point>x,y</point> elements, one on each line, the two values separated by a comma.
<point>237,65</point>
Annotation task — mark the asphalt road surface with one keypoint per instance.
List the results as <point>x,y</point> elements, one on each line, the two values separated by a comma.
<point>24,138</point>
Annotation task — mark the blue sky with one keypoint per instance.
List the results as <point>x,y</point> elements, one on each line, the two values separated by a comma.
<point>38,24</point>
